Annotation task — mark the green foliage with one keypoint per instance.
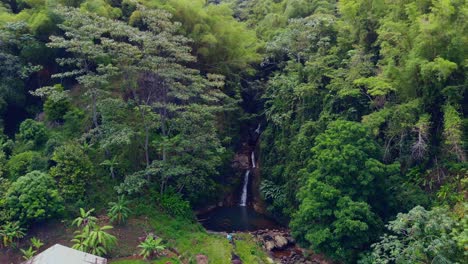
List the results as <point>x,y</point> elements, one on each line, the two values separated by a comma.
<point>151,247</point>
<point>36,243</point>
<point>222,44</point>
<point>453,133</point>
<point>85,218</point>
<point>15,40</point>
<point>32,132</point>
<point>94,239</point>
<point>137,91</point>
<point>118,211</point>
<point>33,198</point>
<point>176,206</point>
<point>339,204</point>
<point>10,232</point>
<point>74,120</point>
<point>420,236</point>
<point>72,171</point>
<point>102,8</point>
<point>28,253</point>
<point>25,162</point>
<point>56,108</point>
<point>133,184</point>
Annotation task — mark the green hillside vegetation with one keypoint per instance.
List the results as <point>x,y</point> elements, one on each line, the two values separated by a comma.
<point>137,108</point>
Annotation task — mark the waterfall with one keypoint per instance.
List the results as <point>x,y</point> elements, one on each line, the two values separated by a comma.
<point>244,189</point>
<point>252,156</point>
<point>258,129</point>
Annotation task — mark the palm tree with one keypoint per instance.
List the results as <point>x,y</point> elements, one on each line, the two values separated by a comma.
<point>151,247</point>
<point>119,210</point>
<point>112,163</point>
<point>10,232</point>
<point>85,218</point>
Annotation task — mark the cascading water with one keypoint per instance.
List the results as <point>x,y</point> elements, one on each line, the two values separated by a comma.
<point>258,129</point>
<point>252,156</point>
<point>244,189</point>
<point>243,201</point>
<point>242,217</point>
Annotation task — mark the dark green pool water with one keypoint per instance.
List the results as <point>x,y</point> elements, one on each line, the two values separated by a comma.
<point>239,218</point>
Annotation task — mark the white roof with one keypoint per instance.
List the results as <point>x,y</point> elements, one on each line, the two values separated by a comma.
<point>59,254</point>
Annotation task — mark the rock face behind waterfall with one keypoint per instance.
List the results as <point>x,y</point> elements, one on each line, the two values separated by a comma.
<point>241,160</point>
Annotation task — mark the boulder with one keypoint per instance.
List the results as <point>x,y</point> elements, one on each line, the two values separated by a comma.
<point>269,245</point>
<point>280,242</point>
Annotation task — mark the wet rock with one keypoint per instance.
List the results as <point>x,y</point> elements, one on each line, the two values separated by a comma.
<point>282,247</point>
<point>202,259</point>
<point>280,242</point>
<point>269,245</point>
<point>241,161</point>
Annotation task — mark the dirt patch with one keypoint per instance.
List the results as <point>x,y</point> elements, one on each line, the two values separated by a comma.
<point>128,236</point>
<point>50,233</point>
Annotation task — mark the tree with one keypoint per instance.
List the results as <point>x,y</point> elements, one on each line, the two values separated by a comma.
<point>85,218</point>
<point>339,203</point>
<point>33,198</point>
<point>118,211</point>
<point>73,171</point>
<point>419,236</point>
<point>15,41</point>
<point>32,132</point>
<point>93,75</point>
<point>57,104</point>
<point>111,164</point>
<point>453,133</point>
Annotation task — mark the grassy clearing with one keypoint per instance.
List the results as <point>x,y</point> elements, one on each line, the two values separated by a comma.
<point>187,238</point>
<point>190,239</point>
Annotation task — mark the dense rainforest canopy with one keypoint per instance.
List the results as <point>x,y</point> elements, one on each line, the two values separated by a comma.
<point>362,103</point>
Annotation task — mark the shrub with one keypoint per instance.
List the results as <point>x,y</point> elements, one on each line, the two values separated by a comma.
<point>94,239</point>
<point>151,247</point>
<point>33,197</point>
<point>176,206</point>
<point>28,253</point>
<point>32,131</point>
<point>10,232</point>
<point>72,171</point>
<point>118,211</point>
<point>25,162</point>
<point>36,242</point>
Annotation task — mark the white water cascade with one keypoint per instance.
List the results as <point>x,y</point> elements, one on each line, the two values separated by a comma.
<point>258,129</point>
<point>252,156</point>
<point>244,189</point>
